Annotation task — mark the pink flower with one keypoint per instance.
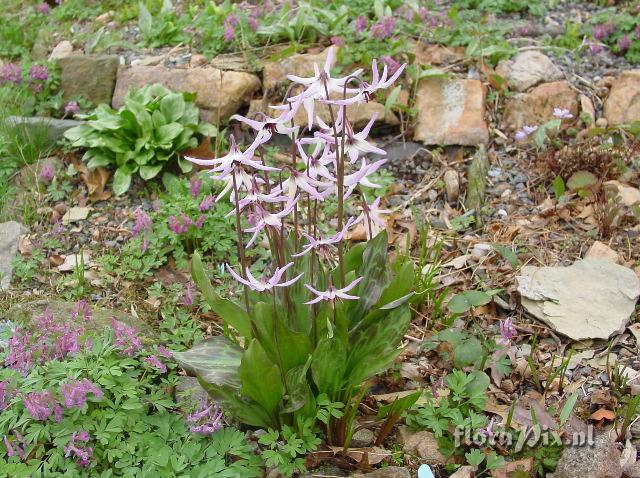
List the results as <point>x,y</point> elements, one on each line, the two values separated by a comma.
<point>126,338</point>
<point>337,41</point>
<point>19,444</point>
<point>367,90</point>
<point>83,454</point>
<point>372,216</point>
<point>142,224</point>
<point>384,28</point>
<point>47,173</point>
<point>270,125</point>
<point>4,396</point>
<point>595,48</point>
<point>71,108</point>
<point>520,135</point>
<point>179,225</point>
<point>194,186</point>
<point>252,22</point>
<point>10,73</point>
<point>164,352</point>
<point>229,27</point>
<point>155,362</point>
<point>44,8</point>
<point>332,293</point>
<point>624,43</point>
<point>74,392</point>
<point>39,72</point>
<point>392,64</point>
<point>361,24</point>
<point>324,244</point>
<point>508,332</point>
<point>187,298</point>
<point>356,144</point>
<point>206,420</point>
<point>264,284</point>
<point>81,308</point>
<point>206,203</point>
<point>41,405</point>
<point>603,31</point>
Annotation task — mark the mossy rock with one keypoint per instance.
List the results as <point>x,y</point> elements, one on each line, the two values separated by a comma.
<point>24,314</point>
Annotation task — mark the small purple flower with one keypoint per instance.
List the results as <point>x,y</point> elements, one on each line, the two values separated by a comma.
<point>206,419</point>
<point>252,21</point>
<point>4,396</point>
<point>624,43</point>
<point>126,338</point>
<point>11,72</point>
<point>17,447</point>
<point>82,453</point>
<point>187,298</point>
<point>47,173</point>
<point>384,28</point>
<point>81,308</point>
<point>265,284</point>
<point>40,405</point>
<point>44,8</point>
<point>361,24</point>
<point>392,65</point>
<point>194,186</point>
<point>206,203</point>
<point>74,392</point>
<point>71,108</point>
<point>142,224</point>
<point>423,12</point>
<point>602,31</point>
<point>636,32</point>
<point>595,48</point>
<point>229,27</point>
<point>562,113</point>
<point>179,225</point>
<point>164,352</point>
<point>155,362</point>
<point>337,41</point>
<point>508,332</point>
<point>529,129</point>
<point>488,431</point>
<point>39,72</point>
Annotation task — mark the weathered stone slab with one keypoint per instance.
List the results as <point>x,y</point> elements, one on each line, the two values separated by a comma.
<point>215,89</point>
<point>10,233</point>
<point>89,76</point>
<point>451,112</point>
<point>623,104</point>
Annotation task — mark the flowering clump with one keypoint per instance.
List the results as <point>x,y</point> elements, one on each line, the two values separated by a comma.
<point>384,28</point>
<point>315,294</point>
<point>142,226</point>
<point>10,73</point>
<point>71,108</point>
<point>126,338</point>
<point>50,340</point>
<point>75,392</point>
<point>206,419</point>
<point>41,405</point>
<point>77,448</point>
<point>47,173</point>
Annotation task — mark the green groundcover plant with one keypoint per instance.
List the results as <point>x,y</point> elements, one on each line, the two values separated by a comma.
<point>310,334</point>
<point>78,402</point>
<point>144,136</point>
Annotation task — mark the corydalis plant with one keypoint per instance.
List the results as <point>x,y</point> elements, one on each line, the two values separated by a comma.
<point>325,318</point>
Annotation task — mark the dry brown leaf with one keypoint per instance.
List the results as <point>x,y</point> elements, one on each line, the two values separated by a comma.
<point>369,456</point>
<point>56,260</point>
<point>25,246</point>
<point>603,414</point>
<point>96,181</point>
<point>506,470</point>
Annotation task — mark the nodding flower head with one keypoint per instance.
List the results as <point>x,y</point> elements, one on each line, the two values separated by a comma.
<point>47,173</point>
<point>44,8</point>
<point>384,28</point>
<point>624,43</point>
<point>361,24</point>
<point>11,73</point>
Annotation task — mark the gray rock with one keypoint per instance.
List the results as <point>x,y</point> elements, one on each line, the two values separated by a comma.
<point>10,233</point>
<point>92,77</point>
<point>190,390</point>
<point>362,438</point>
<point>41,126</point>
<point>591,299</point>
<point>386,472</point>
<point>528,69</point>
<point>23,314</point>
<point>602,460</point>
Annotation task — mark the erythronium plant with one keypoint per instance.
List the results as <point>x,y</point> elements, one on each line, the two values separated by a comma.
<point>310,334</point>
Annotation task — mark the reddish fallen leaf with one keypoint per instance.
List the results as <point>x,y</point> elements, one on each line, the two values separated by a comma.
<point>603,414</point>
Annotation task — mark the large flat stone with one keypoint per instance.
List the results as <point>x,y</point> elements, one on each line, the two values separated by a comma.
<point>10,233</point>
<point>536,107</point>
<point>215,89</point>
<point>35,126</point>
<point>528,69</point>
<point>623,104</point>
<point>451,112</point>
<point>89,76</point>
<point>591,299</point>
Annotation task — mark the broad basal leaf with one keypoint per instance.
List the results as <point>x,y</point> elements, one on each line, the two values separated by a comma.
<point>215,360</point>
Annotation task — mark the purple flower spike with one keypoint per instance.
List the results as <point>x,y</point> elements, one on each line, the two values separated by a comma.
<point>74,392</point>
<point>11,73</point>
<point>47,173</point>
<point>508,332</point>
<point>71,108</point>
<point>384,28</point>
<point>82,453</point>
<point>44,8</point>
<point>361,24</point>
<point>155,362</point>
<point>206,420</point>
<point>126,338</point>
<point>624,43</point>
